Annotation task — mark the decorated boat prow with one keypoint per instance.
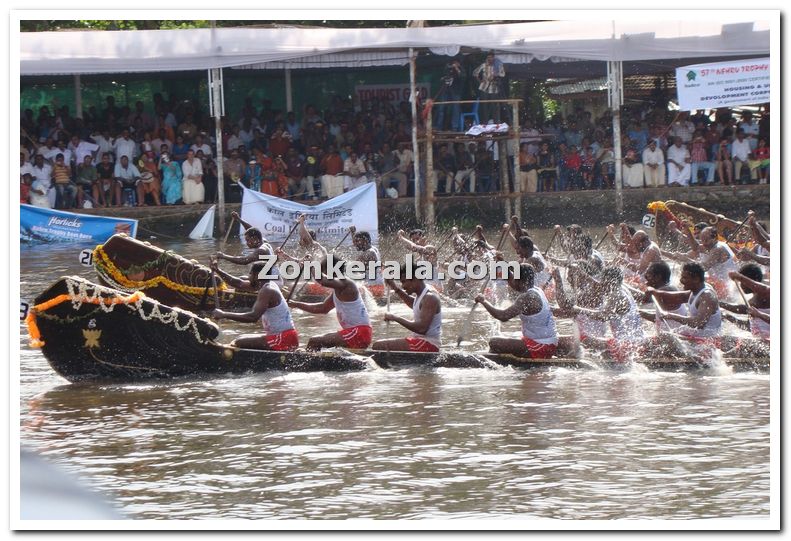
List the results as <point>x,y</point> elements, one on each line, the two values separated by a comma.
<point>129,265</point>
<point>686,215</point>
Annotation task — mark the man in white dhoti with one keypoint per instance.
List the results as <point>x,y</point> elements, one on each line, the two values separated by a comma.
<point>679,164</point>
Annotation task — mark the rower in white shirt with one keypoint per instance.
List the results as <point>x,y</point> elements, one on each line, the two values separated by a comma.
<point>539,334</point>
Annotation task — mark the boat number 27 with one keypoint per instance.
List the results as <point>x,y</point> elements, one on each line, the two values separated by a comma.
<point>86,258</point>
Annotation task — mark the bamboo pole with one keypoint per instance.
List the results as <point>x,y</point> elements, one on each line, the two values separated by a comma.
<point>431,177</point>
<point>415,156</point>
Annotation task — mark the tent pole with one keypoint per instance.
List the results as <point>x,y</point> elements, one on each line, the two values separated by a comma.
<point>616,135</point>
<point>431,177</point>
<point>517,184</point>
<point>218,107</point>
<point>77,96</point>
<point>615,68</point>
<point>289,97</point>
<point>419,214</point>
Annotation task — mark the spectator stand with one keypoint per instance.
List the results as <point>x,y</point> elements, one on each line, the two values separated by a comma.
<point>432,137</point>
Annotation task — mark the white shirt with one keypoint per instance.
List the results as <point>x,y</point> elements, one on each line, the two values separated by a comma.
<point>45,151</point>
<point>127,173</point>
<point>195,169</point>
<point>532,137</point>
<point>170,120</point>
<point>740,149</point>
<point>246,136</point>
<point>540,327</point>
<point>125,147</point>
<point>27,167</point>
<point>356,168</point>
<point>678,154</point>
<point>405,159</point>
<point>105,145</point>
<point>234,141</point>
<point>36,199</point>
<point>52,154</point>
<point>204,147</point>
<point>655,157</point>
<point>749,128</point>
<point>84,149</point>
<point>683,129</point>
<point>294,129</point>
<point>44,174</point>
<point>157,144</point>
<point>351,313</point>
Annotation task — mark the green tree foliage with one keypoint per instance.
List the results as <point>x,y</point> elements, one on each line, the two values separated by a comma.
<point>51,26</point>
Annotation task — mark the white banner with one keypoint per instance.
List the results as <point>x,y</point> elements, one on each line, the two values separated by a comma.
<point>394,93</point>
<point>331,219</point>
<point>723,84</point>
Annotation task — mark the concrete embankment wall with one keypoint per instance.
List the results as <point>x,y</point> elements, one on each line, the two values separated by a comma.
<point>587,208</point>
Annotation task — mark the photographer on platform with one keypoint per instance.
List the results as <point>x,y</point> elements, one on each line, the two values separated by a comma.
<point>452,85</point>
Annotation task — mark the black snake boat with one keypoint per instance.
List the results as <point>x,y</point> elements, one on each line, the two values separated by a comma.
<point>89,332</point>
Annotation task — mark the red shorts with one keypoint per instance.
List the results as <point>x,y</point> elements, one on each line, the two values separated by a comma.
<point>622,351</point>
<point>539,351</point>
<point>704,345</point>
<point>419,344</point>
<point>285,341</point>
<point>358,337</point>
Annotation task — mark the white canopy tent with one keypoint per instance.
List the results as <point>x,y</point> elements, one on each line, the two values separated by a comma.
<point>82,52</point>
<point>49,53</point>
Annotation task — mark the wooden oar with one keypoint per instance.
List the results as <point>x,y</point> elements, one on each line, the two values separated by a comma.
<point>294,286</point>
<point>387,308</point>
<point>206,291</point>
<point>341,241</point>
<point>743,296</point>
<point>216,294</point>
<point>466,326</point>
<point>230,227</point>
<point>602,240</point>
<point>551,242</point>
<point>332,252</point>
<point>660,313</point>
<point>289,235</point>
<point>445,238</point>
<point>733,233</point>
<point>465,246</point>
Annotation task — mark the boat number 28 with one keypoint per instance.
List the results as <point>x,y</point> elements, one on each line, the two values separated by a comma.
<point>86,258</point>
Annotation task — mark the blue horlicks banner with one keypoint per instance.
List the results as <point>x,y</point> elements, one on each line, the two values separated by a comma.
<point>37,224</point>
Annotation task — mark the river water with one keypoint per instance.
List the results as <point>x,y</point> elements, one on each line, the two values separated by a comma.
<point>407,444</point>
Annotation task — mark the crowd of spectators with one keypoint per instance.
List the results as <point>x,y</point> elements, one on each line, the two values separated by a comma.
<point>121,155</point>
<point>658,148</point>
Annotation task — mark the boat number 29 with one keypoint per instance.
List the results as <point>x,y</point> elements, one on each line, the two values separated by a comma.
<point>86,257</point>
<point>649,220</point>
